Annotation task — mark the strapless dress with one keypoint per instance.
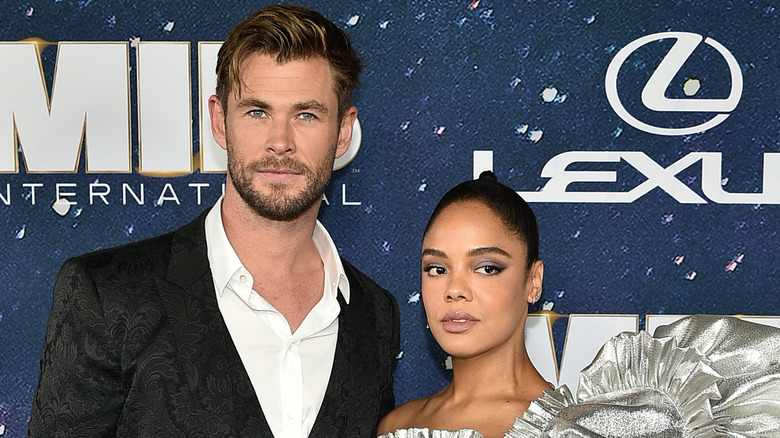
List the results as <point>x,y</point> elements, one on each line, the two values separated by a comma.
<point>703,376</point>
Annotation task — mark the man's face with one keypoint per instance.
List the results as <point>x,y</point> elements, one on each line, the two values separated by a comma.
<point>281,134</point>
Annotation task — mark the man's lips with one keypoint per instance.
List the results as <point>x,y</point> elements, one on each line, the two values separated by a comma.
<point>458,321</point>
<point>279,174</point>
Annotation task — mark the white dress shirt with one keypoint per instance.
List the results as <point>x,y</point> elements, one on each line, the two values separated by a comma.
<point>289,371</point>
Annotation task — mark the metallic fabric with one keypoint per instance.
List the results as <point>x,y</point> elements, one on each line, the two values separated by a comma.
<point>703,376</point>
<point>426,433</point>
<point>700,377</point>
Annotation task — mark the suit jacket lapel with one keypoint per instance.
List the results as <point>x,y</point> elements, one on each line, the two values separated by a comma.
<point>347,401</point>
<point>217,385</point>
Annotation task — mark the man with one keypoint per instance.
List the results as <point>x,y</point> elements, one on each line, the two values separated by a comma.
<point>245,322</point>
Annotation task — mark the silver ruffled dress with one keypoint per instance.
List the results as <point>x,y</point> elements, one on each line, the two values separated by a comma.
<point>702,376</point>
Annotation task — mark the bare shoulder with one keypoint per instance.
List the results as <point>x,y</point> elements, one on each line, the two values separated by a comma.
<point>403,416</point>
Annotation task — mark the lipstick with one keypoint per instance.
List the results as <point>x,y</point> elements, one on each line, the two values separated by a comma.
<point>458,321</point>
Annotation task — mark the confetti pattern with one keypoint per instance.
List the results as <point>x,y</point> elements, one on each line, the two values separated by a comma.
<point>442,79</point>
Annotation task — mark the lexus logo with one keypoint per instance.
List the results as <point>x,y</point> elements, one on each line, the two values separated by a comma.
<point>654,91</point>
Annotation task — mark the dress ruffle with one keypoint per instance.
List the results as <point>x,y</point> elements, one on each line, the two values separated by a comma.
<point>703,376</point>
<point>700,377</point>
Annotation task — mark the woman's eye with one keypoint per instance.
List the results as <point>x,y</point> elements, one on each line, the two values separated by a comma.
<point>434,271</point>
<point>489,269</point>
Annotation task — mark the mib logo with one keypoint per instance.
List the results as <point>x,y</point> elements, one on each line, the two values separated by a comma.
<point>695,86</point>
<point>92,106</point>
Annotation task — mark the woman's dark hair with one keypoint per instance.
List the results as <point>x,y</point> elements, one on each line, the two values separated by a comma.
<point>510,207</point>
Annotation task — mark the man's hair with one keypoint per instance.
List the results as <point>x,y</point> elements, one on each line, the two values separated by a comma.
<point>288,33</point>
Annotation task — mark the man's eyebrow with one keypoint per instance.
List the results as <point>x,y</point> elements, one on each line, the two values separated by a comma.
<point>311,105</point>
<point>488,250</point>
<point>253,103</point>
<point>433,252</point>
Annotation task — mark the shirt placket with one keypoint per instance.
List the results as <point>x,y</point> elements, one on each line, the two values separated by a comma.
<point>292,391</point>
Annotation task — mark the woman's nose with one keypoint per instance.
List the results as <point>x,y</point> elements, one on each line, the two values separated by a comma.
<point>458,288</point>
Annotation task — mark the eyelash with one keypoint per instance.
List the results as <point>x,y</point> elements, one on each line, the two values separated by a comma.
<point>497,269</point>
<point>430,268</point>
<point>258,113</point>
<point>439,270</point>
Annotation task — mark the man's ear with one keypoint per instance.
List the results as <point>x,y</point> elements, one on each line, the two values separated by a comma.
<point>345,131</point>
<point>534,281</point>
<point>217,114</point>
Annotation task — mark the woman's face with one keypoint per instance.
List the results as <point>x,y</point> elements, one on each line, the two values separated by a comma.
<point>475,284</point>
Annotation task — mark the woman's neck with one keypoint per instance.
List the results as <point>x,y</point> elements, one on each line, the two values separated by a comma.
<point>488,376</point>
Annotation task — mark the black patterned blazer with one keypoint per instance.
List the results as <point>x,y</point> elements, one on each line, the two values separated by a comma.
<point>136,347</point>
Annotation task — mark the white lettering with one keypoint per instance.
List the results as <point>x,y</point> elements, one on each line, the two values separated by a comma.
<point>213,158</point>
<point>198,186</point>
<point>170,197</point>
<point>93,193</point>
<point>7,198</point>
<point>63,196</point>
<point>164,109</point>
<point>86,102</point>
<point>127,189</point>
<point>585,335</point>
<point>344,197</point>
<point>555,190</point>
<point>711,177</point>
<point>32,187</point>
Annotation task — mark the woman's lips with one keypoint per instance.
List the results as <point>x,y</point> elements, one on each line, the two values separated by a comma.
<point>458,321</point>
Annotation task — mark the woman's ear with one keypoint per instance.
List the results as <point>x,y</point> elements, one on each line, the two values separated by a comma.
<point>534,281</point>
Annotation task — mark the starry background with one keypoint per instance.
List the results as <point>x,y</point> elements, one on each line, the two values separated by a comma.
<point>524,79</point>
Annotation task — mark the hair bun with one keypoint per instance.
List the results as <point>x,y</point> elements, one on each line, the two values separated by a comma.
<point>488,175</point>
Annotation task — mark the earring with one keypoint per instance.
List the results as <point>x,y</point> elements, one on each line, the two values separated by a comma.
<point>537,296</point>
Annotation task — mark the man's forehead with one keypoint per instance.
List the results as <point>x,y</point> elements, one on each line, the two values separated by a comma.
<point>306,78</point>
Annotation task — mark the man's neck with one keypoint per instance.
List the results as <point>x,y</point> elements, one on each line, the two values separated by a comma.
<point>261,242</point>
<point>281,257</point>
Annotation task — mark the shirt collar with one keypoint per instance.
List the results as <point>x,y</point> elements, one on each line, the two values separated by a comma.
<point>224,261</point>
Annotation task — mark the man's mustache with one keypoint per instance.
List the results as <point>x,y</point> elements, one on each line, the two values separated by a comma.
<point>285,164</point>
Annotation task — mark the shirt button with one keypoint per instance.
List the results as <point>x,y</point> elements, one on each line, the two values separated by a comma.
<point>290,415</point>
<point>242,278</point>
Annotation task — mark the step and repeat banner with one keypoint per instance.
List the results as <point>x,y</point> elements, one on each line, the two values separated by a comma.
<point>646,136</point>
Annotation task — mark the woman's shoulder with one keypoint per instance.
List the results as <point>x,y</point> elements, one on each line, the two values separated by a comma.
<point>403,416</point>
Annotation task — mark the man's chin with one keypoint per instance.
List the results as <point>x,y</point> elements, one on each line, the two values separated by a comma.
<point>281,206</point>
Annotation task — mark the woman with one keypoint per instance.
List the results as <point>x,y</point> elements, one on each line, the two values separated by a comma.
<point>480,270</point>
<point>703,376</point>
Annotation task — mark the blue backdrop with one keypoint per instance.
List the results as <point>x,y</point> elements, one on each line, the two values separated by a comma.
<point>443,81</point>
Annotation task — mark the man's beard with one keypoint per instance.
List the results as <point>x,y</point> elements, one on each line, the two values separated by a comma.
<point>278,205</point>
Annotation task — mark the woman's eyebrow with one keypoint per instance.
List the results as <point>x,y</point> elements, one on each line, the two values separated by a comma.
<point>488,250</point>
<point>434,252</point>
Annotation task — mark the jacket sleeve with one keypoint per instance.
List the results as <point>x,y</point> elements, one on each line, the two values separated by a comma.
<point>80,389</point>
<point>387,402</point>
